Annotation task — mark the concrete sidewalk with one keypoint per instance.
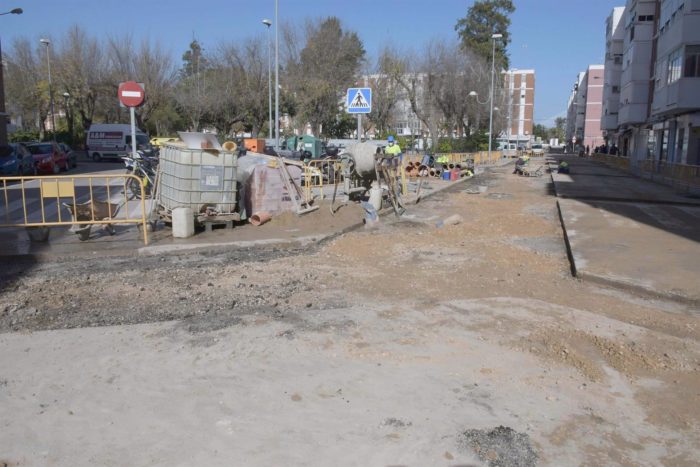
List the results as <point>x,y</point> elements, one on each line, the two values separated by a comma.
<point>629,232</point>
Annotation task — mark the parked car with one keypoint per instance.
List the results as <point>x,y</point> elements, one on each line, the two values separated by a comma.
<point>49,158</point>
<point>537,150</point>
<point>70,154</point>
<point>16,160</point>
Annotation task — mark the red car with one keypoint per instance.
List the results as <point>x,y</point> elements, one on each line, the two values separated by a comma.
<point>49,158</point>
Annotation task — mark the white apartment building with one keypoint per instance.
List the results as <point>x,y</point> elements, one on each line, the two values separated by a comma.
<point>637,60</point>
<point>576,111</point>
<point>614,48</point>
<point>675,112</point>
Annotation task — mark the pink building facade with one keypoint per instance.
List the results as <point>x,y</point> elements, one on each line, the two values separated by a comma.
<point>592,132</point>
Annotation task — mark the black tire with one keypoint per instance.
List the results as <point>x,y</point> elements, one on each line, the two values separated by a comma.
<point>96,157</point>
<point>133,189</point>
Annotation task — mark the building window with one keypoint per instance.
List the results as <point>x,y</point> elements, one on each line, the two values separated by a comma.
<point>618,59</point>
<point>675,60</point>
<point>616,89</point>
<point>692,62</point>
<point>632,33</point>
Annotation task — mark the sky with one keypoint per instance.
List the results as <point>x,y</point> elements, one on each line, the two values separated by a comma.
<point>556,38</point>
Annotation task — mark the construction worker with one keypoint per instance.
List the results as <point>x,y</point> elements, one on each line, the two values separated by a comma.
<point>392,148</point>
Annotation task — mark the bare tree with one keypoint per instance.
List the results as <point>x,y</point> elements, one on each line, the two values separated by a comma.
<point>193,89</point>
<point>413,75</point>
<point>241,86</point>
<point>27,93</point>
<point>148,64</point>
<point>385,93</point>
<point>81,72</point>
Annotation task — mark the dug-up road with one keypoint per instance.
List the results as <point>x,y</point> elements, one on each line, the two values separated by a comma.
<point>407,344</point>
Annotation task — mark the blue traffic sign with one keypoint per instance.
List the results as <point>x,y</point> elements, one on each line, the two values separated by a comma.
<point>359,100</point>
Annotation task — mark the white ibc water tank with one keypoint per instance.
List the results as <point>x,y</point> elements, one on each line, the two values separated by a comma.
<point>183,223</point>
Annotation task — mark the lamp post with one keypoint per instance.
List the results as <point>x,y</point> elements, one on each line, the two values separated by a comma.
<point>3,115</point>
<point>493,72</point>
<point>47,43</point>
<point>69,117</point>
<point>268,23</point>
<point>277,76</point>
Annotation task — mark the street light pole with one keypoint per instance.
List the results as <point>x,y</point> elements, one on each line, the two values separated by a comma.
<point>493,72</point>
<point>47,43</point>
<point>277,76</point>
<point>69,119</point>
<point>3,115</point>
<point>268,23</point>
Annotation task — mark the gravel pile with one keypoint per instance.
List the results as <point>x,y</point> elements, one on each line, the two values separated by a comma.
<point>500,447</point>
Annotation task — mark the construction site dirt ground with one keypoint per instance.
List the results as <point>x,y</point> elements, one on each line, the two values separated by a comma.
<point>407,344</point>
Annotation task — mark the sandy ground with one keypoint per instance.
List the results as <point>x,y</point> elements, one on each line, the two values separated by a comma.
<point>407,344</point>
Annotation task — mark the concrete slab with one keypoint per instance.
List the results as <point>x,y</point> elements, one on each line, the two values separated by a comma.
<point>592,180</point>
<point>630,233</point>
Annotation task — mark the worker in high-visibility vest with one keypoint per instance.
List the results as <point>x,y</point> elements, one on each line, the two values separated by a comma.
<point>393,149</point>
<point>393,153</point>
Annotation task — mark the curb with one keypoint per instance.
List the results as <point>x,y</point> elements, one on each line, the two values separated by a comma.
<point>601,280</point>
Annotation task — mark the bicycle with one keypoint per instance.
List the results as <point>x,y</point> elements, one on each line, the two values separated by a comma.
<point>144,169</point>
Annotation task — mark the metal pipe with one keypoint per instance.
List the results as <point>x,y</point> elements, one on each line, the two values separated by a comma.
<point>47,43</point>
<point>493,72</point>
<point>277,76</point>
<point>268,23</point>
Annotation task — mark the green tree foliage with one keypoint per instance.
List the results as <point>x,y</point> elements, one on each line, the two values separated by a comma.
<point>484,18</point>
<point>342,127</point>
<point>194,60</point>
<point>329,63</point>
<point>540,131</point>
<point>559,130</point>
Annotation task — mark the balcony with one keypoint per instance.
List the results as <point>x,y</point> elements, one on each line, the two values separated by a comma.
<point>631,114</point>
<point>608,122</point>
<point>679,97</point>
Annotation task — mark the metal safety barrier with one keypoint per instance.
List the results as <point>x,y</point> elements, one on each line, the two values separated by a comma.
<point>677,175</point>
<point>316,170</point>
<point>613,161</point>
<point>479,158</point>
<point>73,200</point>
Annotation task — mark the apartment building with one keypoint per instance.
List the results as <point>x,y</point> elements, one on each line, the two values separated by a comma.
<point>635,97</point>
<point>614,48</point>
<point>586,109</point>
<point>659,101</point>
<point>576,111</point>
<point>675,110</point>
<point>592,133</point>
<point>519,86</point>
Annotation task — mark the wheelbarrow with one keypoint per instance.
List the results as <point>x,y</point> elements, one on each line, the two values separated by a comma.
<point>83,212</point>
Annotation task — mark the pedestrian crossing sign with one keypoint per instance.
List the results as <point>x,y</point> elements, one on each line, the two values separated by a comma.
<point>359,100</point>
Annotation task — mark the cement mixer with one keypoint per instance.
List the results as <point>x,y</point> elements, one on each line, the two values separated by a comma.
<point>358,166</point>
<point>360,173</point>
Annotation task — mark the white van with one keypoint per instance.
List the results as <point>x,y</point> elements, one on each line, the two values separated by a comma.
<point>113,140</point>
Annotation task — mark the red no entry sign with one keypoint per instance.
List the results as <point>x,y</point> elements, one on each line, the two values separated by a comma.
<point>131,94</point>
